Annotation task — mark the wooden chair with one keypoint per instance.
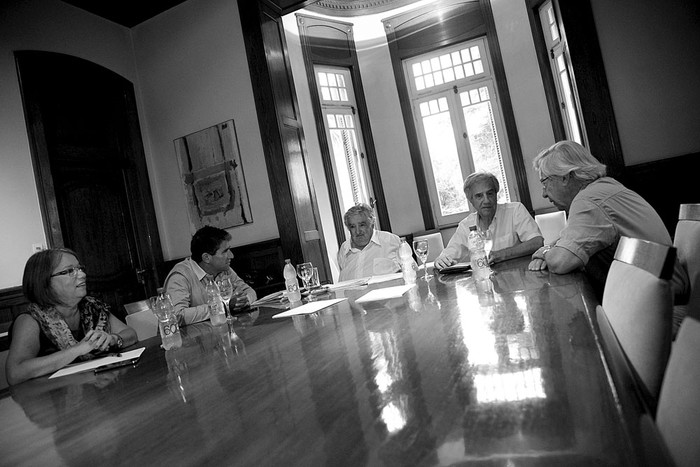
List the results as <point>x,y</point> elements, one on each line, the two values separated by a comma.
<point>678,413</point>
<point>687,243</point>
<point>551,224</point>
<point>636,311</point>
<point>141,319</point>
<point>435,244</point>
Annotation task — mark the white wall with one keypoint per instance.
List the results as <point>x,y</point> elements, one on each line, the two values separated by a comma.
<point>193,73</point>
<point>54,26</point>
<point>651,52</point>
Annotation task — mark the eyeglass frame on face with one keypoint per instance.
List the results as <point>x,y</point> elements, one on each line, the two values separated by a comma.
<point>71,271</point>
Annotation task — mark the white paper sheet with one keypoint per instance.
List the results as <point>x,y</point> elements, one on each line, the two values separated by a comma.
<point>384,278</point>
<point>353,283</point>
<point>309,308</point>
<point>271,298</point>
<point>92,364</point>
<point>385,293</point>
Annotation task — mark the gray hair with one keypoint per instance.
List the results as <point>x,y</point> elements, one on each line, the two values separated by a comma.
<point>477,177</point>
<point>360,208</point>
<point>568,157</point>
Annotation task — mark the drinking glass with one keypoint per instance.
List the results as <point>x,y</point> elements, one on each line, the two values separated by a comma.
<point>421,249</point>
<point>226,291</point>
<point>304,271</point>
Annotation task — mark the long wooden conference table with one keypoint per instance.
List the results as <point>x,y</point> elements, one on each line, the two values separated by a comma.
<point>511,374</point>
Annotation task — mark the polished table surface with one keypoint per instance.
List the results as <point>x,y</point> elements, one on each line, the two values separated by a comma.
<point>511,374</point>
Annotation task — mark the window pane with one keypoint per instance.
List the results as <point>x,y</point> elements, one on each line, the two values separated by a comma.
<point>474,95</point>
<point>420,83</point>
<point>484,93</point>
<point>331,79</point>
<point>484,144</point>
<point>445,61</point>
<point>322,79</point>
<point>344,95</point>
<point>349,122</point>
<point>435,63</point>
<point>434,107</point>
<point>444,160</point>
<point>325,94</point>
<point>425,64</point>
<point>475,52</point>
<point>417,70</point>
<point>449,75</point>
<point>459,72</point>
<point>478,67</point>
<point>465,56</point>
<point>468,69</point>
<point>341,121</point>
<point>429,81</point>
<point>464,98</point>
<point>438,77</point>
<point>341,81</point>
<point>442,102</point>
<point>456,59</point>
<point>334,94</point>
<point>424,109</point>
<point>331,121</point>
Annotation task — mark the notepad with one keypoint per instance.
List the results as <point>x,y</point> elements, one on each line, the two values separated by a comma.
<point>385,293</point>
<point>308,308</point>
<point>73,368</point>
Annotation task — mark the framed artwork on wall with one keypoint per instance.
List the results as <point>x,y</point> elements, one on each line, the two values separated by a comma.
<point>212,176</point>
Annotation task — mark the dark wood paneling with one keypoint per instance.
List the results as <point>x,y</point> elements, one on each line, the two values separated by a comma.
<point>12,303</point>
<point>666,184</point>
<point>294,199</point>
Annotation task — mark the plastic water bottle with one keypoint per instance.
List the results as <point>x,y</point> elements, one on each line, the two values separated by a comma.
<point>407,263</point>
<point>290,282</point>
<point>217,312</point>
<point>479,261</point>
<point>162,307</point>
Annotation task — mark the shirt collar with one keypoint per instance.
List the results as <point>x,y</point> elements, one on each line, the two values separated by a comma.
<point>198,271</point>
<point>374,239</point>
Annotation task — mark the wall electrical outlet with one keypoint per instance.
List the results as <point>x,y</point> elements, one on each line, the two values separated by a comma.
<point>37,247</point>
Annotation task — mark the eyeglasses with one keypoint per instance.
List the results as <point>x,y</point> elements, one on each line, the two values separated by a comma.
<point>72,272</point>
<point>543,181</point>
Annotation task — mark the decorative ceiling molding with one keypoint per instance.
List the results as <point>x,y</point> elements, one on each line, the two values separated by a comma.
<point>356,7</point>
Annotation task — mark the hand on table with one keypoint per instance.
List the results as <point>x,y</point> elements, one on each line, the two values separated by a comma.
<point>444,262</point>
<point>98,341</point>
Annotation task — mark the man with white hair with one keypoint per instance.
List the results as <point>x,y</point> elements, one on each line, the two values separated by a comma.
<point>369,252</point>
<point>599,210</point>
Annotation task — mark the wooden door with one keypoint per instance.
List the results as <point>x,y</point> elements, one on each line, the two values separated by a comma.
<point>91,173</point>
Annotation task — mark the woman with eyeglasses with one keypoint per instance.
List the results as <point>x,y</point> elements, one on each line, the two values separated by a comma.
<point>62,323</point>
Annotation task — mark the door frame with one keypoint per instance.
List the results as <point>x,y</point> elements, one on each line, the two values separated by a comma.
<point>148,254</point>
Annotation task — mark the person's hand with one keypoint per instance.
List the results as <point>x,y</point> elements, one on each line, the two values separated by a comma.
<point>239,301</point>
<point>444,262</point>
<point>100,340</point>
<point>537,264</point>
<point>494,257</point>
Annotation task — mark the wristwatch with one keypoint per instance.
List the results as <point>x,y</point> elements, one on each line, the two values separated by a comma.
<point>120,341</point>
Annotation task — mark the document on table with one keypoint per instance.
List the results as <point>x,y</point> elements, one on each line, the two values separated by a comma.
<point>309,308</point>
<point>132,355</point>
<point>272,298</point>
<point>385,293</point>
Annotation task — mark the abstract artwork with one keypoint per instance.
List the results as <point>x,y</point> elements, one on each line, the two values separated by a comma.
<point>212,175</point>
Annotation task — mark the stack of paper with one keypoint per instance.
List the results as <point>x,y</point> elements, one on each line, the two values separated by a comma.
<point>131,356</point>
<point>384,294</point>
<point>273,297</point>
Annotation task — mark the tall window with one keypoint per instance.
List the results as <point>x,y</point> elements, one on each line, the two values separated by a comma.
<point>561,66</point>
<point>338,106</point>
<point>460,124</point>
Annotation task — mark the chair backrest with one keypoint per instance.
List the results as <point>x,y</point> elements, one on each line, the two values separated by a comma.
<point>678,413</point>
<point>637,302</point>
<point>435,244</point>
<point>687,242</point>
<point>144,323</point>
<point>551,225</point>
<point>135,307</point>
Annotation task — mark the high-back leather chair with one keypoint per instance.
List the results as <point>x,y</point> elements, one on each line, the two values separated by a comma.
<point>687,243</point>
<point>636,311</point>
<point>678,411</point>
